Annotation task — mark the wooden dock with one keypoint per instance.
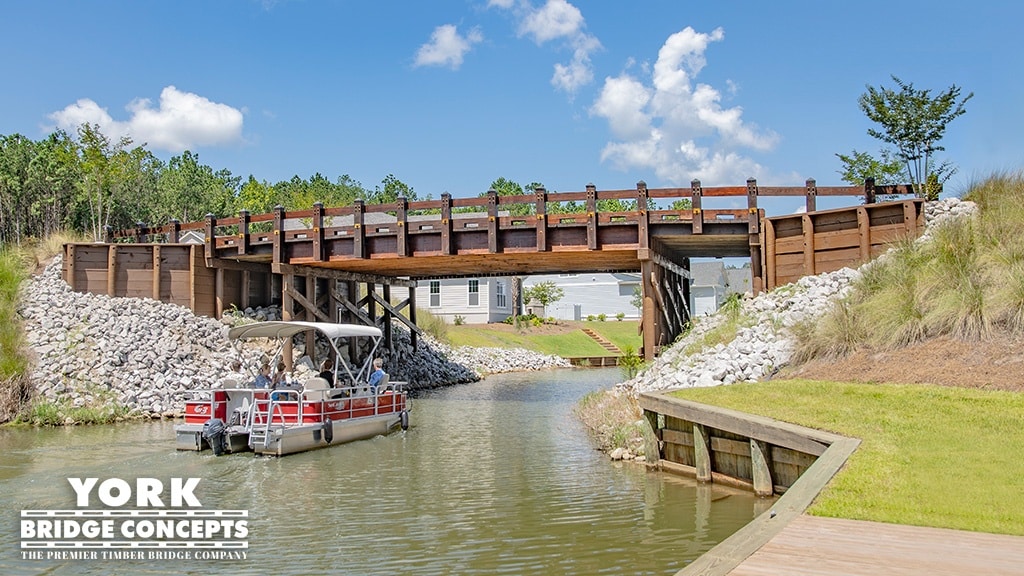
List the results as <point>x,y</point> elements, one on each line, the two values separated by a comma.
<point>812,546</point>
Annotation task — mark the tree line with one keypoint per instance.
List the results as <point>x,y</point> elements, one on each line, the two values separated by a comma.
<point>86,182</point>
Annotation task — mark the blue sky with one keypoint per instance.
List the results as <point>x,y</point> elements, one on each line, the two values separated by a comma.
<point>450,95</point>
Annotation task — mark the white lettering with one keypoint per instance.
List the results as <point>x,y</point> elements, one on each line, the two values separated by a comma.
<point>149,490</point>
<point>180,492</point>
<point>82,489</point>
<point>106,492</point>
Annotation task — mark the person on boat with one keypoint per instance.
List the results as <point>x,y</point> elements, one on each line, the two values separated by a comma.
<point>327,372</point>
<point>378,372</point>
<point>281,376</point>
<point>263,379</point>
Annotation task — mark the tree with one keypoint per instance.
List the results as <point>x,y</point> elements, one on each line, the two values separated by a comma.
<point>544,293</point>
<point>914,122</point>
<point>638,298</point>
<point>389,192</point>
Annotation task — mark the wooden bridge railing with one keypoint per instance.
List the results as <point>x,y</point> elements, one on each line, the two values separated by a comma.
<point>240,230</point>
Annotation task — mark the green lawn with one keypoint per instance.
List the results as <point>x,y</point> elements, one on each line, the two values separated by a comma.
<point>930,456</point>
<point>571,343</point>
<point>622,334</point>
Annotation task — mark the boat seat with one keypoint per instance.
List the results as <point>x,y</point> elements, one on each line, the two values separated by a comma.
<point>383,384</point>
<point>229,383</point>
<point>315,388</point>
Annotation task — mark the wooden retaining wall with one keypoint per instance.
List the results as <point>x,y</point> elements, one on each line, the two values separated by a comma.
<point>731,447</point>
<point>717,445</point>
<point>807,244</point>
<point>174,273</point>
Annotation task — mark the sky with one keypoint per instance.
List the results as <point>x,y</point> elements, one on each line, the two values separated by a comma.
<point>449,95</point>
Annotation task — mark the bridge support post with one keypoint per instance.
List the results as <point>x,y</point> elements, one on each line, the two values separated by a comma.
<point>648,313</point>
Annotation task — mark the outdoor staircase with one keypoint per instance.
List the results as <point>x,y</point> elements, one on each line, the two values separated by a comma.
<point>612,349</point>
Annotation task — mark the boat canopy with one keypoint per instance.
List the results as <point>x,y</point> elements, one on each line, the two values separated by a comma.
<point>281,329</point>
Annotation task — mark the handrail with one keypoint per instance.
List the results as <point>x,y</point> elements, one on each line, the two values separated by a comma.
<point>540,199</point>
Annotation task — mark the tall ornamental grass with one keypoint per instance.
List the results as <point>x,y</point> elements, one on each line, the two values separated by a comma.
<point>966,282</point>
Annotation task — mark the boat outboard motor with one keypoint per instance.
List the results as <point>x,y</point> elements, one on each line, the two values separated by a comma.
<point>216,435</point>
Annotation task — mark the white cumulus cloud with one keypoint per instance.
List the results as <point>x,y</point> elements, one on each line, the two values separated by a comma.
<point>558,20</point>
<point>181,121</point>
<point>675,126</point>
<point>447,47</point>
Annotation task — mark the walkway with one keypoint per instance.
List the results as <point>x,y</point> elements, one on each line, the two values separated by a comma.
<point>810,546</point>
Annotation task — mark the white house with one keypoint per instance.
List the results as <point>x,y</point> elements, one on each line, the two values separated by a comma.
<point>711,282</point>
<point>590,294</point>
<point>475,300</point>
<point>707,287</point>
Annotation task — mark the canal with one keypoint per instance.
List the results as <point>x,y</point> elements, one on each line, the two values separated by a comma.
<point>495,477</point>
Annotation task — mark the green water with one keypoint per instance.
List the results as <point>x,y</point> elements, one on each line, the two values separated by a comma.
<point>492,478</point>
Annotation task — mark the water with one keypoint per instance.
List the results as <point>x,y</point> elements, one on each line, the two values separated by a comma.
<point>492,478</point>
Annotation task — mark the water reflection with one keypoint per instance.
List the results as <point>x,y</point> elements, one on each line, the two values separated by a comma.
<point>493,478</point>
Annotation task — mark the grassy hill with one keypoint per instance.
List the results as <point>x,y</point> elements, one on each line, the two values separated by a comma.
<point>566,338</point>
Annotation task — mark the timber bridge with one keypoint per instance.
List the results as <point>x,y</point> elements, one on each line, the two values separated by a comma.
<point>313,261</point>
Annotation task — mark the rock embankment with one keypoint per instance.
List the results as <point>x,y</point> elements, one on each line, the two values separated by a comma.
<point>763,343</point>
<point>90,350</point>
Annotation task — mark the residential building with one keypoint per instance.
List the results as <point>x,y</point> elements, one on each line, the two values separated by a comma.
<point>474,300</point>
<point>590,294</point>
<point>711,282</point>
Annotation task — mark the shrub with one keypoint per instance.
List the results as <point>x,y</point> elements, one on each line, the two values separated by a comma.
<point>432,324</point>
<point>459,320</point>
<point>590,318</point>
<point>602,317</point>
<point>620,316</point>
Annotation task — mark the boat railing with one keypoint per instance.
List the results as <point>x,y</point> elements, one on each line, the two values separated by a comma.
<point>286,408</point>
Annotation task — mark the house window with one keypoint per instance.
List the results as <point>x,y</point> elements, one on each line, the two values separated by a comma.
<point>474,292</point>
<point>435,294</point>
<point>500,298</point>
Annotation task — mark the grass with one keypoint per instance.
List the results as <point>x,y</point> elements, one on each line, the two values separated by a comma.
<point>614,419</point>
<point>16,263</point>
<point>570,343</point>
<point>967,283</point>
<point>725,332</point>
<point>930,456</point>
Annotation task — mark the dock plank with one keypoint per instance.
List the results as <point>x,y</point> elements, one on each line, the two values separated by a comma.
<point>813,546</point>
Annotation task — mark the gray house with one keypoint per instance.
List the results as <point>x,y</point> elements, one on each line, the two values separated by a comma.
<point>590,294</point>
<point>711,282</point>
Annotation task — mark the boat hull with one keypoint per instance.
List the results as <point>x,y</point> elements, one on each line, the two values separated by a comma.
<point>281,441</point>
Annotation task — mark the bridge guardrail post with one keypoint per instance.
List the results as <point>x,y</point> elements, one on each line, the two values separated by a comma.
<point>698,215</point>
<point>591,217</point>
<point>209,240</point>
<point>812,195</point>
<point>752,215</point>
<point>402,216</point>
<point>869,190</point>
<point>318,231</point>
<point>492,221</point>
<point>541,196</point>
<point>243,232</point>
<point>643,237</point>
<point>446,224</point>
<point>173,231</point>
<point>358,221</point>
<point>279,245</point>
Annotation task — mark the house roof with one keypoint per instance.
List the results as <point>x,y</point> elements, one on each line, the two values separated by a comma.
<point>707,273</point>
<point>738,280</point>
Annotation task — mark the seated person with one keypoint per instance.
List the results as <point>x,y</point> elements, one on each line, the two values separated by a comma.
<point>263,379</point>
<point>378,372</point>
<point>327,372</point>
<point>281,376</point>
